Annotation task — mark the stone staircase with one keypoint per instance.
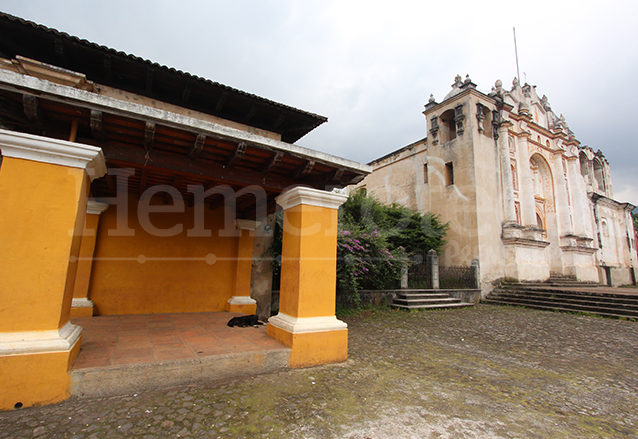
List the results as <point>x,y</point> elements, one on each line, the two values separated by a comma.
<point>565,294</point>
<point>428,299</point>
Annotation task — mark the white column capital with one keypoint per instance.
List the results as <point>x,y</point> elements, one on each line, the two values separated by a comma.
<point>244,224</point>
<point>310,197</point>
<point>96,208</point>
<point>54,151</point>
<point>242,300</point>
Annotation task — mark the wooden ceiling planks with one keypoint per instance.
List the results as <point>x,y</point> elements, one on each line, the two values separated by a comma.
<point>155,154</point>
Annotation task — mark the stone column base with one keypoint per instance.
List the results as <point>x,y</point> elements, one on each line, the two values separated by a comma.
<point>34,366</point>
<point>242,304</point>
<point>82,308</point>
<point>314,340</point>
<point>580,262</point>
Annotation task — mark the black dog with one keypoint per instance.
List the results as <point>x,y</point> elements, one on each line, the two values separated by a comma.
<point>244,321</point>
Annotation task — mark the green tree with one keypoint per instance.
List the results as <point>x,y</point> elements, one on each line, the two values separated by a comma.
<point>400,225</point>
<point>374,242</point>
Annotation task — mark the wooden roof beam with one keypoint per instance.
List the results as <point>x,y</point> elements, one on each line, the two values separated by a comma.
<point>216,172</point>
<point>149,81</point>
<point>188,88</point>
<point>30,106</point>
<point>108,70</point>
<point>333,179</point>
<point>177,180</point>
<point>236,156</point>
<point>251,212</point>
<point>221,102</point>
<point>97,127</point>
<point>149,135</point>
<point>279,121</point>
<point>272,163</point>
<point>251,112</point>
<point>60,53</point>
<point>143,181</point>
<point>197,147</point>
<point>304,170</point>
<point>257,197</point>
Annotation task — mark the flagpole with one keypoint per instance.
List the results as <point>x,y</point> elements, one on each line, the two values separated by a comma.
<point>518,74</point>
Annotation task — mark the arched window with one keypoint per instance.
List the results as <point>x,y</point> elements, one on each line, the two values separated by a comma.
<point>539,221</point>
<point>543,189</point>
<point>447,126</point>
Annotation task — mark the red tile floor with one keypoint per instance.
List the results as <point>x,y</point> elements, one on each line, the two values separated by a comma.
<point>147,338</point>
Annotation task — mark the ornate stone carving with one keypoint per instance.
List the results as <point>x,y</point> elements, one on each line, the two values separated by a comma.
<point>497,119</point>
<point>480,117</point>
<point>459,117</point>
<point>434,129</point>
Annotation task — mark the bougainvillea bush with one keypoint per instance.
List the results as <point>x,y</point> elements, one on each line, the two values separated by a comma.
<point>365,261</point>
<point>374,243</point>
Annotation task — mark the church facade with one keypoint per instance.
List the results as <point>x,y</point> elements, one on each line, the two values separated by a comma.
<point>518,190</point>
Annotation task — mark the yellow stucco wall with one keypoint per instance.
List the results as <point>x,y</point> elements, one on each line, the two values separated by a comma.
<point>145,273</point>
<point>36,379</point>
<point>85,261</point>
<point>39,244</point>
<point>37,241</point>
<point>313,348</point>
<point>310,235</point>
<point>244,263</point>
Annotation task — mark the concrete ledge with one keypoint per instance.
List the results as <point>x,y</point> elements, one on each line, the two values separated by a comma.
<point>126,379</point>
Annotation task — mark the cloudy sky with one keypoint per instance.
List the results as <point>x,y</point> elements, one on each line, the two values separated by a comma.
<point>370,66</point>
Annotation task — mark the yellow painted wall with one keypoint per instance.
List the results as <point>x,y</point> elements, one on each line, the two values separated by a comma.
<point>36,379</point>
<point>305,240</point>
<point>86,254</point>
<point>244,263</point>
<point>127,280</point>
<point>313,348</point>
<point>39,233</point>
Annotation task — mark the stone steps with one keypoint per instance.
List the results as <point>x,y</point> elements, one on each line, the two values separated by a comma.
<point>426,299</point>
<point>553,298</point>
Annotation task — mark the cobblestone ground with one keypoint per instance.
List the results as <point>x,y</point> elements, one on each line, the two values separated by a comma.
<point>484,372</point>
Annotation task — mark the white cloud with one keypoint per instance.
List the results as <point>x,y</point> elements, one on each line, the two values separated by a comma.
<point>370,66</point>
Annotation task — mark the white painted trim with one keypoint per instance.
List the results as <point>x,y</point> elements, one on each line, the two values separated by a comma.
<point>82,303</point>
<point>242,300</point>
<point>17,82</point>
<point>31,342</point>
<point>310,197</point>
<point>96,208</point>
<point>244,224</point>
<point>303,325</point>
<point>54,151</point>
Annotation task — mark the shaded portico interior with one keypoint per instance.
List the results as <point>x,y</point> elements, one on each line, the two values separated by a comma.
<point>144,189</point>
<point>132,353</point>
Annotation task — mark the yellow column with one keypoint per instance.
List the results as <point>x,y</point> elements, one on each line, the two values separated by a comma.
<point>44,185</point>
<point>306,321</point>
<point>241,300</point>
<point>82,306</point>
